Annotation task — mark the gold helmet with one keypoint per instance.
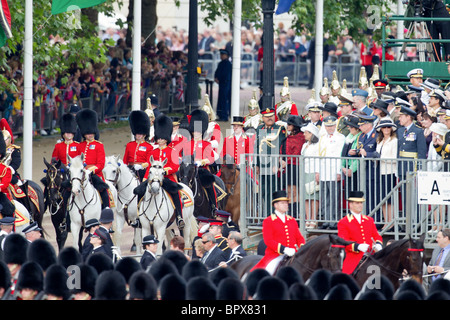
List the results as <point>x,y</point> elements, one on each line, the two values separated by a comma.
<point>253,103</point>
<point>344,86</point>
<point>149,110</point>
<point>363,82</point>
<point>372,94</point>
<point>285,90</point>
<point>325,90</point>
<point>208,109</point>
<point>313,96</point>
<point>335,81</point>
<point>376,74</point>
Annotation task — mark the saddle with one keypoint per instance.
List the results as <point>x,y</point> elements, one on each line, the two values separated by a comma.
<point>17,193</point>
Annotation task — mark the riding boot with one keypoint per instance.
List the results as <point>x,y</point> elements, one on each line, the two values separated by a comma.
<point>140,190</point>
<point>212,198</point>
<point>105,198</point>
<point>178,212</point>
<point>26,201</point>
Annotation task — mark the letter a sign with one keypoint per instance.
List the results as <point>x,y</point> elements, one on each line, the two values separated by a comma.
<point>433,187</point>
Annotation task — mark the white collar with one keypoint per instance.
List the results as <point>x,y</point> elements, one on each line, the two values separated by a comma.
<point>357,216</point>
<point>280,215</point>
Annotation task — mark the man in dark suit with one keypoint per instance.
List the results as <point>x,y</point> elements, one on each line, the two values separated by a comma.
<point>150,244</point>
<point>440,259</point>
<point>204,46</point>
<point>367,147</point>
<point>90,227</point>
<point>235,243</point>
<point>213,254</point>
<point>106,220</point>
<point>222,76</point>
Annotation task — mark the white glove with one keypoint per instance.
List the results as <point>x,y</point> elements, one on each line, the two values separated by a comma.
<point>289,251</point>
<point>377,247</point>
<point>138,167</point>
<point>198,163</point>
<point>363,247</point>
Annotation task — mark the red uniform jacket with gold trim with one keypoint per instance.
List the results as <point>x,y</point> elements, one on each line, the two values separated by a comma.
<point>138,153</point>
<point>351,230</point>
<point>171,166</point>
<point>235,148</point>
<point>277,236</point>
<point>94,154</point>
<point>201,149</point>
<point>5,179</point>
<point>63,149</point>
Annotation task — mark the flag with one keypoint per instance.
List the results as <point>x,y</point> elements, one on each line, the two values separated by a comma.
<point>5,20</point>
<point>284,6</point>
<point>59,6</point>
<point>180,93</point>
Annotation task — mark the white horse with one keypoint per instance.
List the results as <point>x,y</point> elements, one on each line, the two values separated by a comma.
<point>156,209</point>
<point>84,202</point>
<point>125,181</point>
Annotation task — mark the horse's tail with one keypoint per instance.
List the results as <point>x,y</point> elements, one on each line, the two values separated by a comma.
<point>39,216</point>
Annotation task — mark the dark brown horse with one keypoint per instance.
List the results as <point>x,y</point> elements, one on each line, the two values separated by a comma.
<point>230,174</point>
<point>401,258</point>
<point>323,252</point>
<point>56,198</point>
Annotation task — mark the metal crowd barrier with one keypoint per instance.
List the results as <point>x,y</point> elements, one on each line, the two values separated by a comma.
<point>318,197</point>
<point>289,65</point>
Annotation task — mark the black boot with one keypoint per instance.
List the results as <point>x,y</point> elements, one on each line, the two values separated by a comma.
<point>105,198</point>
<point>212,198</point>
<point>179,215</point>
<point>140,190</point>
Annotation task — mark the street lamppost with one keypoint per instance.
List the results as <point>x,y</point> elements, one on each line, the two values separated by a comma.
<point>192,75</point>
<point>268,7</point>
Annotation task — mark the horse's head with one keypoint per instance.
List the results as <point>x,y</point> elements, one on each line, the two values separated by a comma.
<point>187,171</point>
<point>156,176</point>
<point>79,176</point>
<point>412,261</point>
<point>111,170</point>
<point>55,174</point>
<point>229,170</point>
<point>336,253</point>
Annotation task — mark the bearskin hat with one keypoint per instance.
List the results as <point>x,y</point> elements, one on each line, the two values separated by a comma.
<point>31,276</point>
<point>173,287</point>
<point>199,121</point>
<point>163,128</point>
<point>5,276</point>
<point>15,249</point>
<point>100,261</point>
<point>200,288</point>
<point>139,122</point>
<point>69,256</point>
<point>88,278</point>
<point>87,121</point>
<point>110,285</point>
<point>127,266</point>
<point>68,124</point>
<point>55,282</point>
<point>42,252</point>
<point>142,286</point>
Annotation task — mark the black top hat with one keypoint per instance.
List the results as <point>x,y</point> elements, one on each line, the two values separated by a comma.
<point>296,121</point>
<point>163,128</point>
<point>238,120</point>
<point>352,121</point>
<point>330,107</point>
<point>279,196</point>
<point>357,196</point>
<point>68,124</point>
<point>87,121</point>
<point>139,122</point>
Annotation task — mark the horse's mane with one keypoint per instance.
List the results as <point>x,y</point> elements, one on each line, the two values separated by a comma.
<point>315,240</point>
<point>390,248</point>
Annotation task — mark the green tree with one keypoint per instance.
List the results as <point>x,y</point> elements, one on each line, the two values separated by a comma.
<point>79,31</point>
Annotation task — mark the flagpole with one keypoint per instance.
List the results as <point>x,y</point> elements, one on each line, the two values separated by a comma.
<point>318,70</point>
<point>136,48</point>
<point>236,62</point>
<point>28,93</point>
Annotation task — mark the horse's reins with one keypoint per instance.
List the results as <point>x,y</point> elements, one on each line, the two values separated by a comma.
<point>81,210</point>
<point>236,180</point>
<point>127,202</point>
<point>52,174</point>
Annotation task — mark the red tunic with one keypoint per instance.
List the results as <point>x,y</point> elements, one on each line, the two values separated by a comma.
<point>214,135</point>
<point>5,179</point>
<point>201,149</point>
<point>277,236</point>
<point>176,139</point>
<point>171,166</point>
<point>63,149</point>
<point>138,153</point>
<point>94,154</point>
<point>235,148</point>
<point>351,230</point>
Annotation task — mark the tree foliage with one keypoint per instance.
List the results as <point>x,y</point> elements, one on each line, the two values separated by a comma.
<point>81,42</point>
<point>339,15</point>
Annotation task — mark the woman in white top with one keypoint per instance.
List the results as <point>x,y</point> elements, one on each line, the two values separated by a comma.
<point>438,130</point>
<point>311,149</point>
<point>387,144</point>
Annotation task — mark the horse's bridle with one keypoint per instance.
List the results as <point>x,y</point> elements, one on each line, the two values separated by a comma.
<point>81,210</point>
<point>52,175</point>
<point>233,183</point>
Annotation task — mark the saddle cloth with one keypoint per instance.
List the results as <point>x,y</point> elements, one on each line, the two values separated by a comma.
<point>186,200</point>
<point>112,204</point>
<point>20,219</point>
<point>17,193</point>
